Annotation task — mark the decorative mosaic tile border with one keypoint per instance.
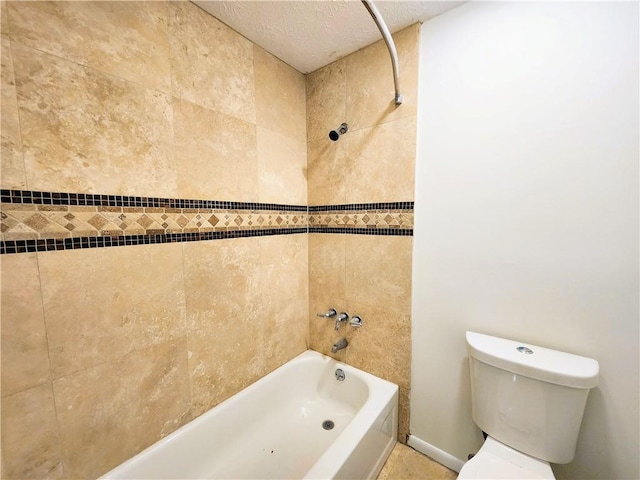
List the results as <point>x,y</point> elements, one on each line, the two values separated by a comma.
<point>47,245</point>
<point>97,200</point>
<point>44,221</point>
<point>29,215</point>
<point>363,206</point>
<point>355,218</point>
<point>403,232</point>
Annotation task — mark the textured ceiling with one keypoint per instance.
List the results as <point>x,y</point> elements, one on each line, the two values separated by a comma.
<point>311,34</point>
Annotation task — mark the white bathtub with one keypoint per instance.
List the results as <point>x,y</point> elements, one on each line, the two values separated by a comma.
<point>273,429</point>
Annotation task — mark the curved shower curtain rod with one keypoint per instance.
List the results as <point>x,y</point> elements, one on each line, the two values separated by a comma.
<point>375,14</point>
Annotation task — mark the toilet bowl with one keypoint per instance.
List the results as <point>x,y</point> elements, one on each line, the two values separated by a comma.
<point>529,401</point>
<point>496,460</point>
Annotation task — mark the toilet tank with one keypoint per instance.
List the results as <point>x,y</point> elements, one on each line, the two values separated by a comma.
<point>527,397</point>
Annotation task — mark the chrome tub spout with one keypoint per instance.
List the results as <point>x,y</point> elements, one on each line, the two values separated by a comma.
<point>339,345</point>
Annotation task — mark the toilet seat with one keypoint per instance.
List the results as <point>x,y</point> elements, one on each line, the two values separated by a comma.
<point>496,460</point>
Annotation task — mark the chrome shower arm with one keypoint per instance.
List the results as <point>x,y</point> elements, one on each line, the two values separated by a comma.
<point>386,35</point>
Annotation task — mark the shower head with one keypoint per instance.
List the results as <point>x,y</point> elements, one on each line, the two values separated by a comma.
<point>341,130</point>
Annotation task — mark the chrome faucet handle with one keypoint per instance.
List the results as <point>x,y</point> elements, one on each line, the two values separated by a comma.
<point>355,321</point>
<point>332,312</point>
<point>343,317</point>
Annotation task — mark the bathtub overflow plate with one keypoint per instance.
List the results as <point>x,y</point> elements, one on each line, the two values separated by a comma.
<point>328,424</point>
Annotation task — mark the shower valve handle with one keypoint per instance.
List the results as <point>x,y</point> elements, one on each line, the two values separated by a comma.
<point>342,318</point>
<point>332,312</point>
<point>356,321</point>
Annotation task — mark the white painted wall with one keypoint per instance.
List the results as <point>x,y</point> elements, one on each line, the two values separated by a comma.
<point>527,211</point>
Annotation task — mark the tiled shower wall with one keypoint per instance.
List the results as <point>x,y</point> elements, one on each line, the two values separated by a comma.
<point>374,161</point>
<point>105,350</point>
<point>141,114</point>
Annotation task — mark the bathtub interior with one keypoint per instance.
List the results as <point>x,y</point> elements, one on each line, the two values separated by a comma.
<point>274,428</point>
<point>286,442</point>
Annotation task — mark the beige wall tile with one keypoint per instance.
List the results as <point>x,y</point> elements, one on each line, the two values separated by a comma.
<point>12,174</point>
<point>378,271</point>
<point>280,96</point>
<point>370,87</point>
<point>25,359</point>
<point>286,331</point>
<point>326,100</point>
<point>326,172</point>
<point>380,164</point>
<point>226,268</point>
<point>327,265</point>
<point>216,154</point>
<point>103,303</point>
<point>287,260</point>
<point>125,39</point>
<point>327,275</point>
<point>404,414</point>
<point>224,314</point>
<point>282,168</point>
<point>211,64</point>
<point>368,276</point>
<point>284,250</point>
<point>30,441</point>
<point>257,318</point>
<point>385,335</point>
<point>4,19</point>
<point>110,412</point>
<point>85,131</point>
<point>225,356</point>
<point>285,307</point>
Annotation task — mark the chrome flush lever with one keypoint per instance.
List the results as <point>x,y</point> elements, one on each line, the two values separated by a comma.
<point>332,312</point>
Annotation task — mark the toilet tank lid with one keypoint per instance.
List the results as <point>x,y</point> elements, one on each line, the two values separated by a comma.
<point>535,362</point>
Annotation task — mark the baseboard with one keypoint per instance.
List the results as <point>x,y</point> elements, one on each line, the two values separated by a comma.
<point>435,453</point>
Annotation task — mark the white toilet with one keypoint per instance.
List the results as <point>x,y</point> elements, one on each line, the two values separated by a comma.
<point>529,401</point>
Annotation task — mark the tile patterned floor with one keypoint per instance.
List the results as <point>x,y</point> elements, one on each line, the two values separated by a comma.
<point>405,463</point>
